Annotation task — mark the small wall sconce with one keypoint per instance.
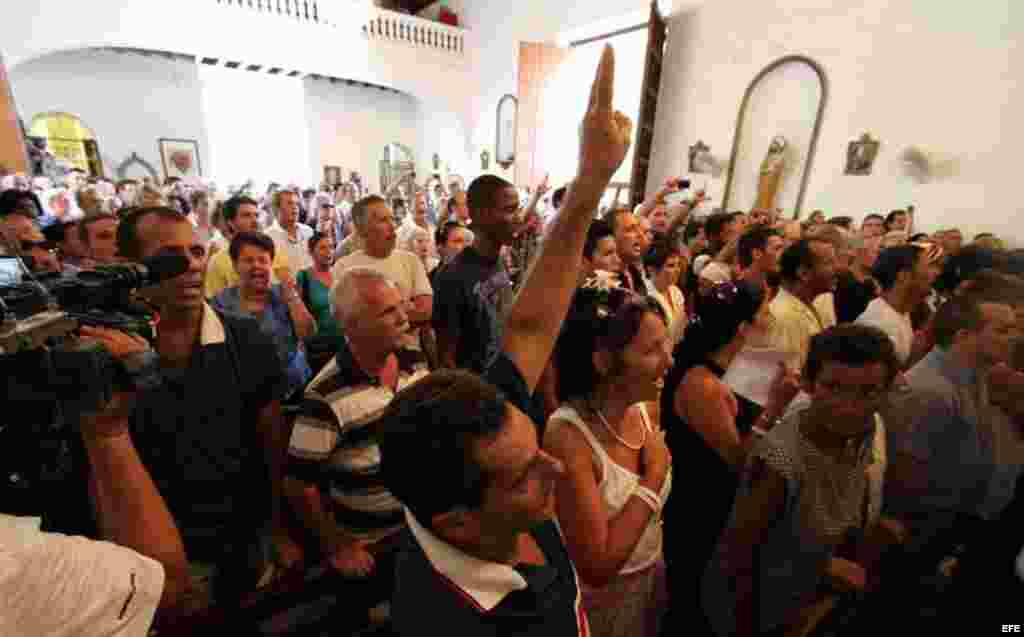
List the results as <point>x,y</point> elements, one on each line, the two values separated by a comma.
<point>485,160</point>
<point>925,165</point>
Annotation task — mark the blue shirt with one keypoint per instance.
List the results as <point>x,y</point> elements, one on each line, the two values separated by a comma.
<point>470,295</point>
<point>275,322</point>
<point>950,431</point>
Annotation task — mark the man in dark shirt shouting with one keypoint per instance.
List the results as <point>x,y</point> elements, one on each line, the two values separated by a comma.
<point>461,452</point>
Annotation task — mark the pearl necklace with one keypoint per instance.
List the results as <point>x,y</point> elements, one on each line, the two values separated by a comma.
<point>608,427</point>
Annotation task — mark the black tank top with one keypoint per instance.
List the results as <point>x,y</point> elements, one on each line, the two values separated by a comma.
<point>695,514</point>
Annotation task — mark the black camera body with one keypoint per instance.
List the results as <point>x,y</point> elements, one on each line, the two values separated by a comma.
<point>50,378</point>
<point>39,356</point>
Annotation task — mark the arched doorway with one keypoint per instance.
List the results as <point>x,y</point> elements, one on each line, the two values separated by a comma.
<point>398,175</point>
<point>71,141</point>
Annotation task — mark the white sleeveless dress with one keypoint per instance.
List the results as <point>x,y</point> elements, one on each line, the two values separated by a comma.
<point>628,605</point>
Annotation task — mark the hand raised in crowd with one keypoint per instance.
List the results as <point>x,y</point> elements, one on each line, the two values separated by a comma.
<point>655,460</point>
<point>543,187</point>
<point>671,186</point>
<point>605,134</point>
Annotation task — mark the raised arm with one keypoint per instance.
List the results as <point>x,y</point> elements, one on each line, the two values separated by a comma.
<point>535,318</point>
<point>538,192</point>
<point>305,324</point>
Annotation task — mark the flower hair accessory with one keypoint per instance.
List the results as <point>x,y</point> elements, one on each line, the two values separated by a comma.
<point>603,283</point>
<point>725,292</point>
<point>603,280</point>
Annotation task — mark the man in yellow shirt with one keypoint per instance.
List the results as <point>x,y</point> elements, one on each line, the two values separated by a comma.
<point>241,215</point>
<point>808,269</point>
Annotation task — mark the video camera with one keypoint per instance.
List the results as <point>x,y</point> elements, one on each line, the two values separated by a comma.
<point>38,315</point>
<point>50,377</point>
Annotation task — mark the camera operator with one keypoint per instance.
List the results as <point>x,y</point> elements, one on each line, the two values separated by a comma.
<point>53,584</point>
<point>211,434</point>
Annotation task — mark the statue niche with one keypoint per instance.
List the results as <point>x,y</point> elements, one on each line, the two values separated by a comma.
<point>790,157</point>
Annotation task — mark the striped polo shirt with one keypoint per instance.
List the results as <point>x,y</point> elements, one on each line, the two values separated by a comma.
<point>334,442</point>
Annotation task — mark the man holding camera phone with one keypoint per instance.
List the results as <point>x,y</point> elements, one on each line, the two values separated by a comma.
<point>672,185</point>
<point>53,584</point>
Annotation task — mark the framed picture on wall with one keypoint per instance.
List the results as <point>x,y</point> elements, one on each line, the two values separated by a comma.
<point>332,175</point>
<point>180,158</point>
<point>861,154</point>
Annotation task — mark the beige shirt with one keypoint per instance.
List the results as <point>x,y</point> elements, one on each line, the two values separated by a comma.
<point>404,268</point>
<point>297,250</point>
<point>825,306</point>
<point>795,323</point>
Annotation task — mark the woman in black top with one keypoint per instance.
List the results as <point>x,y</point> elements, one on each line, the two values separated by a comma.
<point>708,430</point>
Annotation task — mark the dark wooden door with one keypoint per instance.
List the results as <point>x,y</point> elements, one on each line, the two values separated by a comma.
<point>657,30</point>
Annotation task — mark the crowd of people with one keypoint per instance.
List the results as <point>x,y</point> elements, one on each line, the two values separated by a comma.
<point>512,412</point>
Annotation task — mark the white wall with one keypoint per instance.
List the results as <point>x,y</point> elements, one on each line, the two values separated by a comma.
<point>229,32</point>
<point>249,125</point>
<point>495,30</point>
<point>566,102</point>
<point>256,125</point>
<point>128,100</point>
<point>350,125</point>
<point>940,75</point>
<point>460,90</point>
<point>441,131</point>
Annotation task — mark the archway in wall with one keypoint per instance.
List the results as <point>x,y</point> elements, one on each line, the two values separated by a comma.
<point>70,140</point>
<point>785,102</point>
<point>398,173</point>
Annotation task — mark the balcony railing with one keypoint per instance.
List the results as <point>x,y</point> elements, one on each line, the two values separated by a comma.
<point>400,28</point>
<point>301,10</point>
<point>381,24</point>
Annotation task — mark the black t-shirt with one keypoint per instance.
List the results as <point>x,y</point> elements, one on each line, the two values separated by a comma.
<point>198,438</point>
<point>852,297</point>
<point>551,605</point>
<point>468,296</point>
<point>505,375</point>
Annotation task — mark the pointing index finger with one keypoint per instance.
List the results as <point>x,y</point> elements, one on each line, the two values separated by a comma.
<point>603,90</point>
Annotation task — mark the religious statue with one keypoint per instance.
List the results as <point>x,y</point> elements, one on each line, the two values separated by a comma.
<point>770,178</point>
